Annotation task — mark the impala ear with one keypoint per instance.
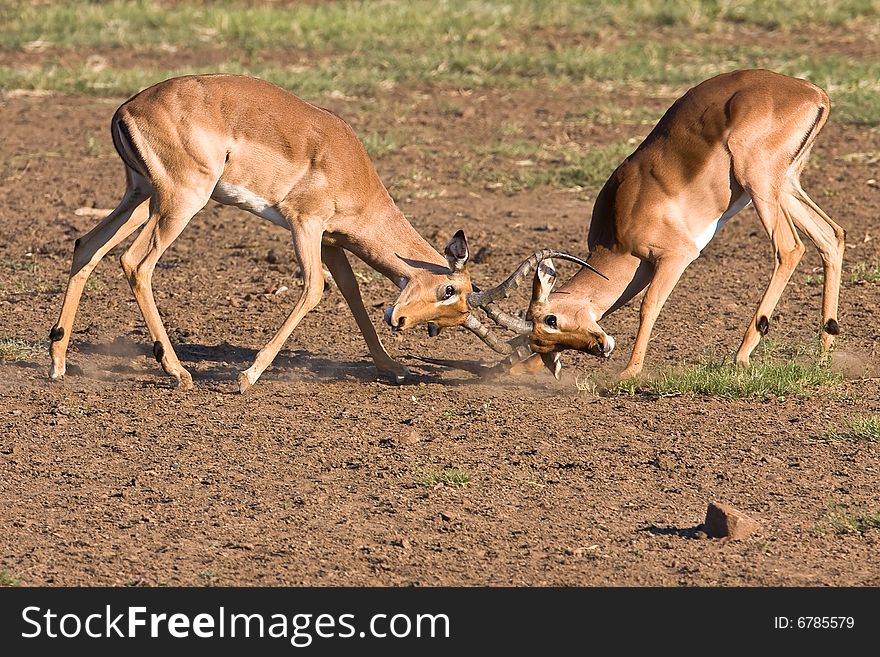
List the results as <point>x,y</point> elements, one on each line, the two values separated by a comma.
<point>552,363</point>
<point>545,277</point>
<point>457,252</point>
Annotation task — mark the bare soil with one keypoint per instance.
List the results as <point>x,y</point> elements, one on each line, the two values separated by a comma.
<point>316,476</point>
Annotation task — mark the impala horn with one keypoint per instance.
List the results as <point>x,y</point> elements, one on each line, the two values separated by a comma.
<point>510,322</point>
<point>481,299</point>
<point>473,325</point>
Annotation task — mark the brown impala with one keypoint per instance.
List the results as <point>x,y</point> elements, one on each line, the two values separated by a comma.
<point>733,140</point>
<point>247,143</point>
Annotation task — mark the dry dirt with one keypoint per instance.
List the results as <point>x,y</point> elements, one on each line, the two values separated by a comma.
<point>313,478</point>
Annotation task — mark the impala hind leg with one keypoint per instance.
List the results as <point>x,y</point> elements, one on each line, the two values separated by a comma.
<point>88,251</point>
<point>667,272</point>
<point>830,240</point>
<point>788,250</point>
<point>307,246</point>
<point>169,216</point>
<point>337,262</point>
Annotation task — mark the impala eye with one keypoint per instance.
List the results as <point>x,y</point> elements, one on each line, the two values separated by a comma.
<point>550,320</point>
<point>448,292</point>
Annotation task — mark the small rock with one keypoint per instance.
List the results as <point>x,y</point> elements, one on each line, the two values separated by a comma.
<point>664,462</point>
<point>447,516</point>
<point>700,534</point>
<point>408,436</point>
<point>723,521</point>
<point>272,257</point>
<point>482,255</point>
<point>402,543</point>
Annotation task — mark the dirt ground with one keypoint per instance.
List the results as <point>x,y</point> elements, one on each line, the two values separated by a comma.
<point>314,477</point>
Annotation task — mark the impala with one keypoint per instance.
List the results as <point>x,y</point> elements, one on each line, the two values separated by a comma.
<point>737,139</point>
<point>244,142</point>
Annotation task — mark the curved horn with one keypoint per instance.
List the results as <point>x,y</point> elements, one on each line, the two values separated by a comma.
<point>511,322</point>
<point>480,299</point>
<point>473,325</point>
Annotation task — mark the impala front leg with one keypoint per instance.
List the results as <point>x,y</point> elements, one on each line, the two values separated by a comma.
<point>667,271</point>
<point>307,245</point>
<point>337,262</point>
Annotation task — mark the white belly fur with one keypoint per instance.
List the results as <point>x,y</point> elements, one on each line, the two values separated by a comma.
<point>713,228</point>
<point>245,199</point>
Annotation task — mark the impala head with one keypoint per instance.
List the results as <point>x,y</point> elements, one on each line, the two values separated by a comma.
<point>563,321</point>
<point>438,296</point>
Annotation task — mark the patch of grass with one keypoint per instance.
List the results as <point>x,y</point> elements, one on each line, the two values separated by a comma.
<point>568,165</point>
<point>471,411</point>
<point>586,383</point>
<point>353,25</point>
<point>812,280</point>
<point>862,273</point>
<point>603,113</point>
<point>360,48</point>
<point>380,144</point>
<point>845,520</point>
<point>93,284</point>
<point>18,265</point>
<point>13,348</point>
<point>95,148</point>
<point>446,477</point>
<point>28,285</point>
<point>860,429</point>
<point>74,412</point>
<point>8,580</point>
<point>781,376</point>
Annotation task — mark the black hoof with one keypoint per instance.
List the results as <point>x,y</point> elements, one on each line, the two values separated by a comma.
<point>763,325</point>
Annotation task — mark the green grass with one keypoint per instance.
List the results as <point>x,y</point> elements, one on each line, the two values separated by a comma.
<point>532,164</point>
<point>13,348</point>
<point>351,25</point>
<point>862,273</point>
<point>363,48</point>
<point>606,113</point>
<point>446,477</point>
<point>775,370</point>
<point>860,429</point>
<point>472,411</point>
<point>845,520</point>
<point>8,580</point>
<point>380,144</point>
<point>18,265</point>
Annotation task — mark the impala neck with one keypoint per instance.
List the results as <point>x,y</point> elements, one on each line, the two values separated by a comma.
<point>391,246</point>
<point>627,276</point>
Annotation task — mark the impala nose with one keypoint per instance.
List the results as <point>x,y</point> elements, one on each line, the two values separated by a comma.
<point>607,346</point>
<point>396,323</point>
